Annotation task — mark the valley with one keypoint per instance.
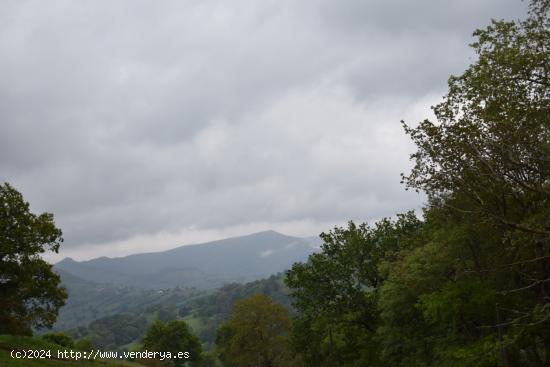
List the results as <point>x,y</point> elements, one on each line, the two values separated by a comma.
<point>112,301</point>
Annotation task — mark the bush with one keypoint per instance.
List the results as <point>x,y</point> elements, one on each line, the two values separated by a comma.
<point>60,339</point>
<point>84,344</point>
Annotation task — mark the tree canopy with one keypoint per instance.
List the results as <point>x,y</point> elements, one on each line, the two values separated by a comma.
<point>337,290</point>
<point>256,334</point>
<point>487,160</point>
<point>469,283</point>
<point>174,337</point>
<point>30,291</point>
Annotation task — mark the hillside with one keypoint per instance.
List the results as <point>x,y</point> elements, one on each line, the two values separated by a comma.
<point>115,323</point>
<point>89,300</point>
<point>205,266</point>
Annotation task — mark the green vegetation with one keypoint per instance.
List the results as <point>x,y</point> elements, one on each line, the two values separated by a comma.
<point>60,339</point>
<point>203,311</point>
<point>175,337</point>
<point>29,289</point>
<point>208,312</point>
<point>89,301</point>
<point>337,291</point>
<point>112,332</point>
<point>256,334</point>
<point>469,284</point>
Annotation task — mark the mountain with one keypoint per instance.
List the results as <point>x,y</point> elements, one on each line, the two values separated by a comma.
<point>204,266</point>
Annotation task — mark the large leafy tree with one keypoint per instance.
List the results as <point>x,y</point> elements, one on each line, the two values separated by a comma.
<point>30,291</point>
<point>337,291</point>
<point>485,165</point>
<point>256,334</point>
<point>436,306</point>
<point>471,285</point>
<point>491,140</point>
<point>174,337</point>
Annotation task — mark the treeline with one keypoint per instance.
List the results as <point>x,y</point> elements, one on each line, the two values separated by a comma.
<point>207,313</point>
<point>126,318</point>
<point>89,301</point>
<point>220,303</point>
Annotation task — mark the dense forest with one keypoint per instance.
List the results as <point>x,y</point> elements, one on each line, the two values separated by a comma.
<point>469,283</point>
<point>464,283</point>
<point>115,318</point>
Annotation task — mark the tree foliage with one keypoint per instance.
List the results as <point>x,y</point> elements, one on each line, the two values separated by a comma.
<point>84,344</point>
<point>491,141</point>
<point>469,285</point>
<point>337,291</point>
<point>112,332</point>
<point>29,290</point>
<point>59,338</point>
<point>487,159</point>
<point>174,337</point>
<point>256,334</point>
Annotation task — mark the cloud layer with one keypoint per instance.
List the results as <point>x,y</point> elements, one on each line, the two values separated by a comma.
<point>143,125</point>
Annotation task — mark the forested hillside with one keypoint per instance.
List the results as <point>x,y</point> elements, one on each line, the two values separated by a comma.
<point>115,317</point>
<point>89,301</point>
<point>468,284</point>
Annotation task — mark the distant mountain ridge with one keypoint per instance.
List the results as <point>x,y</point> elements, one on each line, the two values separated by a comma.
<point>204,266</point>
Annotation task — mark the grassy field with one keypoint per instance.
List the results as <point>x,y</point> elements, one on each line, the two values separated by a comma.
<point>21,343</point>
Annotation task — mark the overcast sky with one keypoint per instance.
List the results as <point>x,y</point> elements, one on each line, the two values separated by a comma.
<point>144,125</point>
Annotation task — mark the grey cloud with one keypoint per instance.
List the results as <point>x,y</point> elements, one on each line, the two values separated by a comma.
<point>136,117</point>
<point>409,47</point>
<point>397,16</point>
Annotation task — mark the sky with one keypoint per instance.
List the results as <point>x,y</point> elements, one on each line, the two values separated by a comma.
<point>146,125</point>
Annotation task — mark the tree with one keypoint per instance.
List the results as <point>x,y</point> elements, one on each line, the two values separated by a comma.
<point>435,308</point>
<point>470,284</point>
<point>30,291</point>
<point>84,344</point>
<point>491,141</point>
<point>256,334</point>
<point>337,291</point>
<point>487,162</point>
<point>61,339</point>
<point>174,337</point>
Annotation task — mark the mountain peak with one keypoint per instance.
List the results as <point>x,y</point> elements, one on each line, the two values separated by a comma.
<point>268,232</point>
<point>205,265</point>
<point>67,260</point>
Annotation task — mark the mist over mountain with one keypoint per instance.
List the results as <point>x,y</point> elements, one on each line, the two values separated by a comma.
<point>205,266</point>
